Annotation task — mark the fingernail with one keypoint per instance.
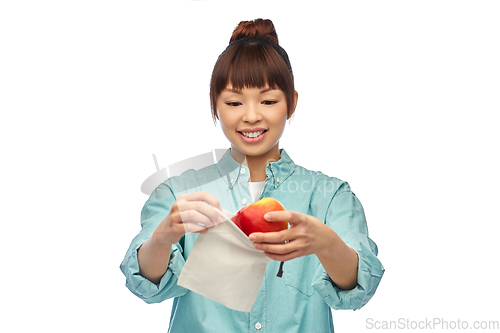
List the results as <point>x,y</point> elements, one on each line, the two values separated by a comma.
<point>267,216</point>
<point>220,219</point>
<point>252,237</point>
<point>257,246</point>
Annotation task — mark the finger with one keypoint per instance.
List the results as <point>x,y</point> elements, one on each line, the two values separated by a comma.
<point>194,228</point>
<point>287,215</point>
<point>283,257</point>
<point>193,217</point>
<point>202,196</point>
<point>200,207</point>
<point>202,231</point>
<point>275,248</point>
<point>271,237</point>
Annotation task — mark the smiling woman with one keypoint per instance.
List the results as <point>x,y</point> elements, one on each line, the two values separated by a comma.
<point>330,262</point>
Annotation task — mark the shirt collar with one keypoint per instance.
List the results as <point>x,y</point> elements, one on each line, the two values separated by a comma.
<point>277,171</point>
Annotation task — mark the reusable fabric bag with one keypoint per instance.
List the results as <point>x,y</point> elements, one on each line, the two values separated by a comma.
<point>225,267</point>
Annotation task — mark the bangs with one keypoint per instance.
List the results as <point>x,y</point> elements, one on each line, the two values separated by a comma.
<point>251,65</point>
<point>256,67</point>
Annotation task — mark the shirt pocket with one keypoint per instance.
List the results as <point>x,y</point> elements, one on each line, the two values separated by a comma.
<point>298,275</point>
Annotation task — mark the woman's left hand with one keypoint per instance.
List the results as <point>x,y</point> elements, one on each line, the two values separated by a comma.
<point>307,235</point>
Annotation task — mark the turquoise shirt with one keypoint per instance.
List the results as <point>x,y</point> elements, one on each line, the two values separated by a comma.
<point>302,299</point>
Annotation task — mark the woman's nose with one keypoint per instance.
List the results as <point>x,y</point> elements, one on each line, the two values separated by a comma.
<point>252,114</point>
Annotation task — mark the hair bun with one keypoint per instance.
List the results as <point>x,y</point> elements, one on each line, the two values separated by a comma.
<point>258,28</point>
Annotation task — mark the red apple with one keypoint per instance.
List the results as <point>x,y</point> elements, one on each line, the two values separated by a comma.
<point>251,217</point>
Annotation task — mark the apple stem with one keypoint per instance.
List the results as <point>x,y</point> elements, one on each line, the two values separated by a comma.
<point>280,272</point>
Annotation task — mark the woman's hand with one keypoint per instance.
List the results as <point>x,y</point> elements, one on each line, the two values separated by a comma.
<point>191,212</point>
<point>308,235</point>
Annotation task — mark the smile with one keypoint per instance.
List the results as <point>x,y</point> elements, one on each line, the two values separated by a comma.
<point>252,134</point>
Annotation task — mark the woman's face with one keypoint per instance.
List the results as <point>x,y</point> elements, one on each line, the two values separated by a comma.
<point>253,119</point>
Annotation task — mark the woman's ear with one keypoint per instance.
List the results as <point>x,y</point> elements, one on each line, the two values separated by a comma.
<point>295,99</point>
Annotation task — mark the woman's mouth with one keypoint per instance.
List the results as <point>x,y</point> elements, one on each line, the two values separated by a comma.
<point>252,137</point>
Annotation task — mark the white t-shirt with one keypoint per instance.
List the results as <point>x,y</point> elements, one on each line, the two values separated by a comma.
<point>255,189</point>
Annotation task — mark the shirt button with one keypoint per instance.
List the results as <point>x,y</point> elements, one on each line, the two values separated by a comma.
<point>231,181</point>
<point>258,326</point>
<point>242,171</point>
<point>244,201</point>
<point>278,179</point>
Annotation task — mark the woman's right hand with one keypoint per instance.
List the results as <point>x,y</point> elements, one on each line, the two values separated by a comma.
<point>191,212</point>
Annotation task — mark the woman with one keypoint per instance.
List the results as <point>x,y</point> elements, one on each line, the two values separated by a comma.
<point>330,261</point>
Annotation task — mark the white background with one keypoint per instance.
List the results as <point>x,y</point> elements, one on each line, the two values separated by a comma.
<point>399,98</point>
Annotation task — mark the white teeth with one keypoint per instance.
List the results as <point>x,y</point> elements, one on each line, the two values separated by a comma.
<point>252,134</point>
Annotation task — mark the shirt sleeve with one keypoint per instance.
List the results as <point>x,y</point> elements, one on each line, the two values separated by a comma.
<point>346,217</point>
<point>155,209</point>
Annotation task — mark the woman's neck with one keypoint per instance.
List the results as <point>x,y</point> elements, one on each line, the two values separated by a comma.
<point>257,164</point>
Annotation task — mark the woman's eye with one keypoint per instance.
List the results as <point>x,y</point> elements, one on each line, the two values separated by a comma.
<point>269,102</point>
<point>233,103</point>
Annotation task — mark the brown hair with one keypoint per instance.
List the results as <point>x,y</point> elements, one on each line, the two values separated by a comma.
<point>253,59</point>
